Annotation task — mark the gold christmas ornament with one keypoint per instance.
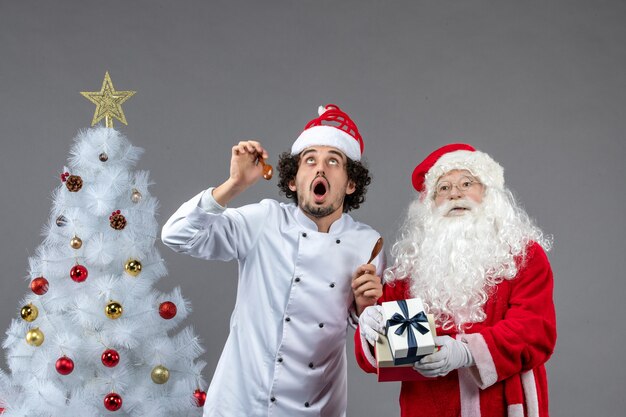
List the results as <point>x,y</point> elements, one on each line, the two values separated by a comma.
<point>76,242</point>
<point>108,102</point>
<point>133,267</point>
<point>160,374</point>
<point>29,313</point>
<point>113,310</point>
<point>135,197</point>
<point>34,337</point>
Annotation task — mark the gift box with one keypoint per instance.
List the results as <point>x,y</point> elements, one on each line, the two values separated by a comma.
<point>408,331</point>
<point>385,367</point>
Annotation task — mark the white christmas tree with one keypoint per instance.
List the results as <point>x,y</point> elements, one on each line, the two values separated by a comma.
<point>93,335</point>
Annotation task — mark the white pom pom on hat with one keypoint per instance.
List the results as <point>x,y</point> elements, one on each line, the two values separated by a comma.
<point>457,156</point>
<point>333,128</point>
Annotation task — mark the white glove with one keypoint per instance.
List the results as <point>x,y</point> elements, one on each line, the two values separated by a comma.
<point>452,354</point>
<point>371,323</point>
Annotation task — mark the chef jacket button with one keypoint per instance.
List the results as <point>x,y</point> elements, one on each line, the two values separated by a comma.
<point>303,234</point>
<point>332,285</point>
<point>306,404</point>
<point>311,365</point>
<point>337,241</point>
<point>297,279</point>
<point>321,325</point>
<point>273,399</point>
<point>287,319</point>
<point>280,360</point>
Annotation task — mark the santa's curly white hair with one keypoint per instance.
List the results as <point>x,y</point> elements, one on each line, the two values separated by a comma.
<point>454,263</point>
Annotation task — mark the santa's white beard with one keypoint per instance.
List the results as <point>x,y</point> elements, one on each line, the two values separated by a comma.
<point>455,262</point>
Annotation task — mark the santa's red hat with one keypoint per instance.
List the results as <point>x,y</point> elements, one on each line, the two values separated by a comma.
<point>457,156</point>
<point>333,128</point>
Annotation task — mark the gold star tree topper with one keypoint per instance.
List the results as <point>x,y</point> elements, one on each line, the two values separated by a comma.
<point>108,102</point>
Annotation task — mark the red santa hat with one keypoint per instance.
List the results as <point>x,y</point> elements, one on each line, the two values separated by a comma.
<point>333,128</point>
<point>457,156</point>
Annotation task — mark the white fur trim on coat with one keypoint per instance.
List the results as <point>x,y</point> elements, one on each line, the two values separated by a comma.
<point>469,393</point>
<point>484,372</point>
<point>365,347</point>
<point>530,393</point>
<point>481,165</point>
<point>515,410</point>
<point>328,136</point>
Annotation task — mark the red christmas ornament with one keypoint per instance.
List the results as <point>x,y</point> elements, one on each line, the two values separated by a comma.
<point>112,402</point>
<point>167,310</point>
<point>39,285</point>
<point>110,358</point>
<point>64,365</point>
<point>200,397</point>
<point>64,176</point>
<point>79,273</point>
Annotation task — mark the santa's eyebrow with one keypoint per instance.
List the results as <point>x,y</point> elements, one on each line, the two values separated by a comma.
<point>309,151</point>
<point>465,176</point>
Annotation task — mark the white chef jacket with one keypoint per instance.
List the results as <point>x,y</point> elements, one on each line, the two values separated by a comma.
<point>285,354</point>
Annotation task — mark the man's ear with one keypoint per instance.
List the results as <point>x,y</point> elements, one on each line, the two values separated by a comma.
<point>292,185</point>
<point>351,188</point>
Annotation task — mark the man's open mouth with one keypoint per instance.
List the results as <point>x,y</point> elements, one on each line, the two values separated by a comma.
<point>320,189</point>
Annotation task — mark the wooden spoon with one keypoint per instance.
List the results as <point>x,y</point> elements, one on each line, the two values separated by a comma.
<point>377,247</point>
<point>268,170</point>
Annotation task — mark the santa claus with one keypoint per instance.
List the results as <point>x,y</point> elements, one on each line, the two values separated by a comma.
<point>477,261</point>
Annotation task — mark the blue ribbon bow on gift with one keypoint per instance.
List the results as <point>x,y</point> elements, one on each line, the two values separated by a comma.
<point>405,322</point>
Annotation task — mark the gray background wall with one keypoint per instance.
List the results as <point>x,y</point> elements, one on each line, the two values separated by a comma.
<point>540,85</point>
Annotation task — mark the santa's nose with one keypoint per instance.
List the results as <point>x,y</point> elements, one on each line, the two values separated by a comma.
<point>455,193</point>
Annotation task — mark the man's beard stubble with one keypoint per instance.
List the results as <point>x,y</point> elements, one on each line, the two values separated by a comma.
<point>320,211</point>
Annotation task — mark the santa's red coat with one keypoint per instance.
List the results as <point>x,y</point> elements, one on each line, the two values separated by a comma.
<point>510,349</point>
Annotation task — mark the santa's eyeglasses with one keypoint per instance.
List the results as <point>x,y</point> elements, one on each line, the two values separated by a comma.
<point>444,188</point>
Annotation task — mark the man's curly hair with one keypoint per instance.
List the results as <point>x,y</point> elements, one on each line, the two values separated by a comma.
<point>357,173</point>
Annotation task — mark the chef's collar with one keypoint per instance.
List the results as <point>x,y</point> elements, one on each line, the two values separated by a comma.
<point>302,218</point>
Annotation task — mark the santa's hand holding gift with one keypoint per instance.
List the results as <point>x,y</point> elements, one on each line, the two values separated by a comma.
<point>477,261</point>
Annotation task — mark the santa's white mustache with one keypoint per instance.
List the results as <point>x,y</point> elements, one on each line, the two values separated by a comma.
<point>464,203</point>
